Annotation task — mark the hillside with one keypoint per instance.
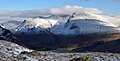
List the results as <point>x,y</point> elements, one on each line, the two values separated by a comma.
<point>13,52</point>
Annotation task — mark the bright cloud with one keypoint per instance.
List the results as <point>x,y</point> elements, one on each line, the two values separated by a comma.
<point>67,9</point>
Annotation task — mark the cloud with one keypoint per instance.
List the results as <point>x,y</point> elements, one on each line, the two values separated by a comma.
<point>67,9</point>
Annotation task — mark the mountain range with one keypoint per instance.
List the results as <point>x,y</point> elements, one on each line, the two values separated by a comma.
<point>77,32</point>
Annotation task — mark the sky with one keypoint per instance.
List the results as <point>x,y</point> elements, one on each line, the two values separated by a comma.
<point>105,5</point>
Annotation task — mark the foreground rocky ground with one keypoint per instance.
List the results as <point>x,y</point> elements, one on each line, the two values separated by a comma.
<point>13,52</point>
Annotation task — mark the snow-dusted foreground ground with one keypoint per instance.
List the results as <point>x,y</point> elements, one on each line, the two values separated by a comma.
<point>13,52</point>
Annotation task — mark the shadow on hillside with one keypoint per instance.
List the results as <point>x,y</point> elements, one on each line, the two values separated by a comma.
<point>110,46</point>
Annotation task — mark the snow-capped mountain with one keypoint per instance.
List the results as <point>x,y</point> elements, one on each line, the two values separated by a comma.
<point>84,23</point>
<point>87,20</point>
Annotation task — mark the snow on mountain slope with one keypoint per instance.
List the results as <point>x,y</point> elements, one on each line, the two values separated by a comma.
<point>112,20</point>
<point>11,24</point>
<point>29,25</point>
<point>86,23</point>
<point>35,25</point>
<point>84,26</point>
<point>45,23</point>
<point>1,30</point>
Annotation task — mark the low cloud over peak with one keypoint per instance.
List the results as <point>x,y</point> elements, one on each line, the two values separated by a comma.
<point>67,9</point>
